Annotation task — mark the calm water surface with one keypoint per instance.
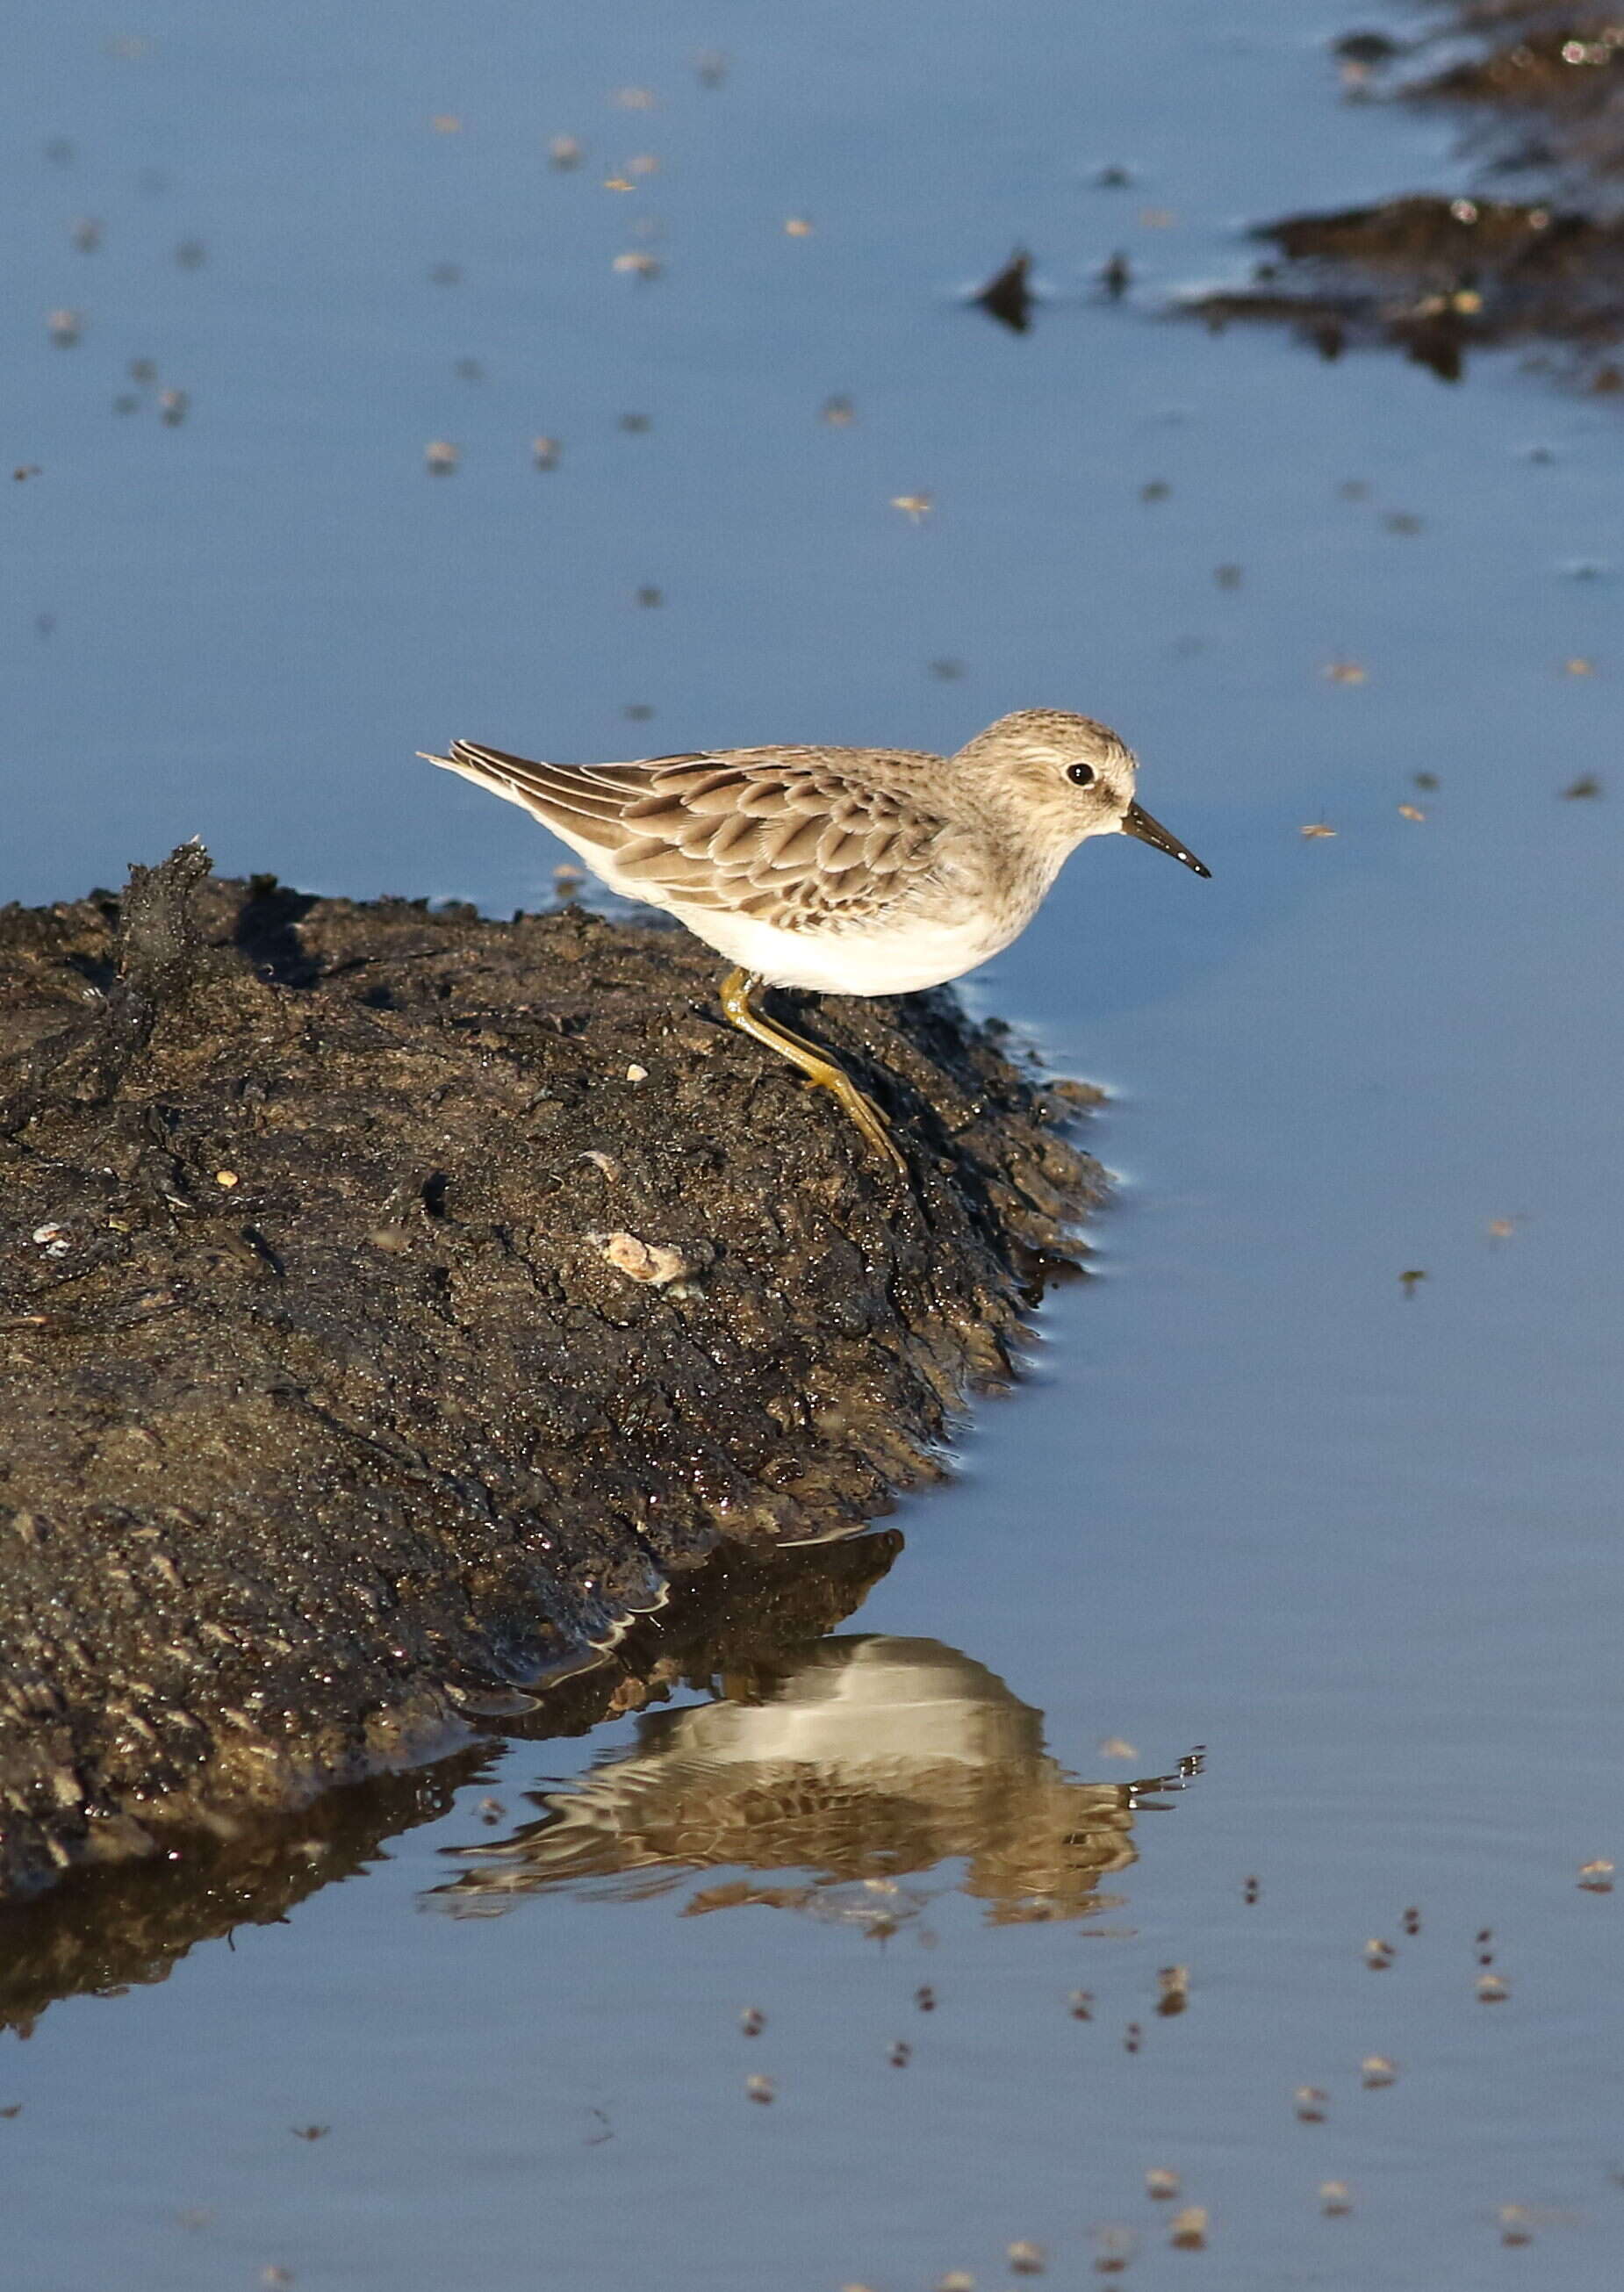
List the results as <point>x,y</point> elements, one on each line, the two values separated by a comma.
<point>1355,1537</point>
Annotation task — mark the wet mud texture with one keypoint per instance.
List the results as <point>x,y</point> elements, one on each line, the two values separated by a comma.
<point>335,1421</point>
<point>1537,259</point>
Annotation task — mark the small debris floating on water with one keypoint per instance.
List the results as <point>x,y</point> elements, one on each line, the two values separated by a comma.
<point>1114,2247</point>
<point>1172,1982</point>
<point>1008,294</point>
<point>1162,2183</point>
<point>1188,2232</point>
<point>1516,2224</point>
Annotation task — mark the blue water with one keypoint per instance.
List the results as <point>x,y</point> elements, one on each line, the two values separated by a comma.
<point>1358,1544</point>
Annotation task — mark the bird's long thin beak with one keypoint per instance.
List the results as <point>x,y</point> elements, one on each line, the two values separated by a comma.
<point>1136,821</point>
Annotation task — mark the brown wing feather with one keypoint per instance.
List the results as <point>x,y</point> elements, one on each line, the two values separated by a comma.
<point>759,831</point>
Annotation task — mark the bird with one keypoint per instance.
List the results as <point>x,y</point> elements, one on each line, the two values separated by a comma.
<point>841,871</point>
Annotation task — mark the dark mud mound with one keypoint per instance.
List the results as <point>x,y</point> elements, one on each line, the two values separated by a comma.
<point>1439,276</point>
<point>393,1305</point>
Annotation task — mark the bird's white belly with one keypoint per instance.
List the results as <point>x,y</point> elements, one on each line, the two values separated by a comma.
<point>882,959</point>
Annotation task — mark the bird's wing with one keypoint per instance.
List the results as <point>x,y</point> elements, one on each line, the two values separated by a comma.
<point>785,834</point>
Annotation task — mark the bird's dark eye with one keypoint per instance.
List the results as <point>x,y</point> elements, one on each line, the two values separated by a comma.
<point>1081,775</point>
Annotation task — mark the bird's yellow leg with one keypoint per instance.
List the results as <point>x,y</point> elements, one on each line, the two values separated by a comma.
<point>738,989</point>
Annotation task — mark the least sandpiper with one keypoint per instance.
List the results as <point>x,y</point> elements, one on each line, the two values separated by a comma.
<point>849,871</point>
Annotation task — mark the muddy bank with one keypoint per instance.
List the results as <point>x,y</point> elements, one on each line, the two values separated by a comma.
<point>334,1416</point>
<point>1536,257</point>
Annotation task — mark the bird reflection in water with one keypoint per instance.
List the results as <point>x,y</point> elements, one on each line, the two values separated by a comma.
<point>865,1760</point>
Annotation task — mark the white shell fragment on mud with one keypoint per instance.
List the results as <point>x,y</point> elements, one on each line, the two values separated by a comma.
<point>658,1263</point>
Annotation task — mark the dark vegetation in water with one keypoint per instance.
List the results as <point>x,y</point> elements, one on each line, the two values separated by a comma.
<point>1436,276</point>
<point>396,1305</point>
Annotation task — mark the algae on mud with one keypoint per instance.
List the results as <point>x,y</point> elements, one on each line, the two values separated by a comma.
<point>330,1420</point>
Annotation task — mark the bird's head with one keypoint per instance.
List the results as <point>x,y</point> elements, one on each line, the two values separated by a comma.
<point>1070,777</point>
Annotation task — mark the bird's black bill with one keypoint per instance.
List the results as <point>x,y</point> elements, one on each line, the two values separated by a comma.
<point>1137,822</point>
